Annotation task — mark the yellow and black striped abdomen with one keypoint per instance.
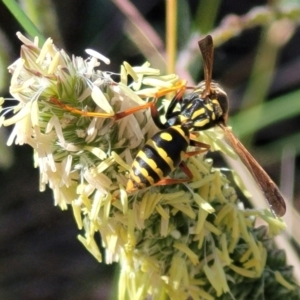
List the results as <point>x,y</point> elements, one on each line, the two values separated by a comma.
<point>159,157</point>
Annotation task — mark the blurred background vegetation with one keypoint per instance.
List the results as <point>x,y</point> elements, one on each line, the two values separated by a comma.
<point>257,61</point>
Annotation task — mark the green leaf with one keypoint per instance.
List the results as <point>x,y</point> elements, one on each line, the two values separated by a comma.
<point>265,114</point>
<point>206,15</point>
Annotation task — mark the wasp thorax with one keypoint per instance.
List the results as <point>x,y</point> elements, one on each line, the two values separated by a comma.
<point>216,93</point>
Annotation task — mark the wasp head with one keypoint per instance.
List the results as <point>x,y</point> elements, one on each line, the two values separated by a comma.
<point>215,92</point>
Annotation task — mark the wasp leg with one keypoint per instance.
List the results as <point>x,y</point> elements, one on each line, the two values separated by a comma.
<point>199,145</point>
<point>156,118</point>
<point>176,99</point>
<point>117,116</point>
<point>78,111</point>
<point>170,111</point>
<point>168,181</point>
<point>183,166</point>
<point>180,85</point>
<point>193,153</point>
<point>127,112</point>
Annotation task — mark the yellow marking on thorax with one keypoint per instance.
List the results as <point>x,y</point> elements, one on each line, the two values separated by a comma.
<point>201,123</point>
<point>182,119</point>
<point>215,101</point>
<point>209,106</point>
<point>198,112</point>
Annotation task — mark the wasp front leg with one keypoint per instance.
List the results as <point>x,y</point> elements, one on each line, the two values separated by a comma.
<point>170,111</point>
<point>116,116</point>
<point>180,85</point>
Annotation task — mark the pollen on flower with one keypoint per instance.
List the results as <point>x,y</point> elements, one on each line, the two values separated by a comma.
<point>195,239</point>
<point>81,133</point>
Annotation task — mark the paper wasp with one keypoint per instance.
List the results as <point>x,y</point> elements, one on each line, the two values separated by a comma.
<point>167,149</point>
<point>205,107</point>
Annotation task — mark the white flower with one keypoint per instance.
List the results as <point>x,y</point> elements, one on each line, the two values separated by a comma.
<point>174,239</point>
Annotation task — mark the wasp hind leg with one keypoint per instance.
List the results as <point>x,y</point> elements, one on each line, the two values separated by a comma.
<point>183,166</point>
<point>204,148</point>
<point>168,181</point>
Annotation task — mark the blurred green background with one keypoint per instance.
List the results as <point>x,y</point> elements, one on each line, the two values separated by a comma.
<point>257,61</point>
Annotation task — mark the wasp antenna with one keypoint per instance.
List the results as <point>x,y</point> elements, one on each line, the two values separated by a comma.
<point>206,46</point>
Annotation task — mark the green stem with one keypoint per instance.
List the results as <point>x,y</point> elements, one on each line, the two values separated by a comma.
<point>23,19</point>
<point>171,36</point>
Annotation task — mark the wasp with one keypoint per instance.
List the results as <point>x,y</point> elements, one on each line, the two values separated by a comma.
<point>165,151</point>
<point>204,108</point>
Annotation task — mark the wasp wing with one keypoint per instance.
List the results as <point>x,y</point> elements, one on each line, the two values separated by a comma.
<point>269,188</point>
